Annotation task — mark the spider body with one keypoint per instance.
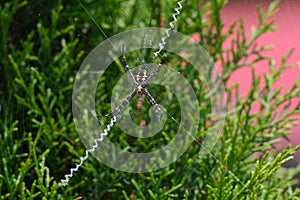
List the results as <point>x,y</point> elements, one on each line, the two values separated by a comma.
<point>140,81</point>
<point>141,77</point>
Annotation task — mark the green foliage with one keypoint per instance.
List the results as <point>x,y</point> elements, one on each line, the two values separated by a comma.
<point>39,144</point>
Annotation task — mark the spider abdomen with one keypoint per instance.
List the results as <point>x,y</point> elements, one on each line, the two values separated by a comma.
<point>141,76</point>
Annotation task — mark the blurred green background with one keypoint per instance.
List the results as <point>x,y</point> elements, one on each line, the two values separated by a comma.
<point>42,46</point>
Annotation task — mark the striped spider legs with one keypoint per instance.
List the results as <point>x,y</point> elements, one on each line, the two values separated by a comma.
<point>140,81</point>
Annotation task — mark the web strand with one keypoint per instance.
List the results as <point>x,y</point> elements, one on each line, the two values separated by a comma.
<point>163,42</point>
<point>65,181</point>
<point>94,21</point>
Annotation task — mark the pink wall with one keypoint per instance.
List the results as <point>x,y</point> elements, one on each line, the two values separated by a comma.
<point>288,36</point>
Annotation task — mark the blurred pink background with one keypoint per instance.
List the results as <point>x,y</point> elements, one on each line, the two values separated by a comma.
<point>288,20</point>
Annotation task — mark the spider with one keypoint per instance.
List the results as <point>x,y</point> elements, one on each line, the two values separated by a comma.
<point>141,81</point>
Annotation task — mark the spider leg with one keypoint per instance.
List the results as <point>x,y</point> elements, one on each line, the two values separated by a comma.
<point>158,111</point>
<point>156,72</point>
<point>126,67</point>
<point>118,109</point>
<point>149,97</point>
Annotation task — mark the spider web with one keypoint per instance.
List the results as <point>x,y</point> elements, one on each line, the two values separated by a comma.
<point>171,111</point>
<point>138,107</point>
